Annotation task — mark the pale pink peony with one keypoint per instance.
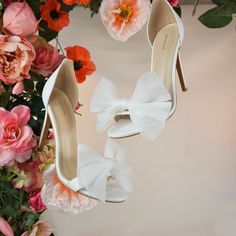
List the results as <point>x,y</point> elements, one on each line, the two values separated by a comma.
<point>124,18</point>
<point>19,19</point>
<point>5,228</point>
<point>174,3</point>
<point>16,137</point>
<point>16,56</point>
<point>47,60</point>
<point>56,195</point>
<point>41,228</point>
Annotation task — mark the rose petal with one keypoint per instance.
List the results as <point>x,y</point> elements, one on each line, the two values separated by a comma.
<point>23,113</point>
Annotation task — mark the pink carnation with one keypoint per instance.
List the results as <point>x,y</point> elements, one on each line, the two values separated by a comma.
<point>16,56</point>
<point>16,137</point>
<point>35,201</point>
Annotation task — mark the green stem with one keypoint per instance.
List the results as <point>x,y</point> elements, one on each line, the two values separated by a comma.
<point>58,44</point>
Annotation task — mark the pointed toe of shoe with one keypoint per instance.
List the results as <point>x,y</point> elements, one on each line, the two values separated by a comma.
<point>121,129</point>
<point>115,193</point>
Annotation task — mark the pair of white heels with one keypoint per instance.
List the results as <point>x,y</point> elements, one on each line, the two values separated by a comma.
<point>153,102</point>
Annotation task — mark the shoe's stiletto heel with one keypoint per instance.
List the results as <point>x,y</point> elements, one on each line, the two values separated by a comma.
<point>180,72</point>
<point>44,133</point>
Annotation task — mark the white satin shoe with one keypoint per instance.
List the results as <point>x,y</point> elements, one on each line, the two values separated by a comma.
<point>77,166</point>
<point>154,99</point>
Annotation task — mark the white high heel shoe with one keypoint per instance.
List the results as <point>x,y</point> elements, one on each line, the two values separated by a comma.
<point>93,177</point>
<point>154,99</point>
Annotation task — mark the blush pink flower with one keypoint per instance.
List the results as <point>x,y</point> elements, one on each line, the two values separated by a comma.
<point>124,18</point>
<point>16,137</point>
<point>47,59</point>
<point>41,228</point>
<point>16,56</point>
<point>174,3</point>
<point>19,19</point>
<point>5,228</point>
<point>56,195</point>
<point>35,201</point>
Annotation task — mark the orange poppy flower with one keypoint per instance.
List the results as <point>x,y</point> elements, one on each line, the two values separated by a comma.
<point>55,18</point>
<point>82,62</point>
<point>81,2</point>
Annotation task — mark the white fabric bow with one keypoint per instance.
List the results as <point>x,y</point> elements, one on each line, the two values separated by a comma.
<point>94,170</point>
<point>149,107</point>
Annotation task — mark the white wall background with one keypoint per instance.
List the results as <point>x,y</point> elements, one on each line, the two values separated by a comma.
<point>185,181</point>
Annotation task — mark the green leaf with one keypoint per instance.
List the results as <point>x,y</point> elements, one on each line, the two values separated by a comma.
<point>4,100</point>
<point>45,32</point>
<point>218,2</point>
<point>94,6</point>
<point>39,86</point>
<point>31,219</point>
<point>217,17</point>
<point>178,10</point>
<point>35,5</point>
<point>8,211</point>
<point>28,85</point>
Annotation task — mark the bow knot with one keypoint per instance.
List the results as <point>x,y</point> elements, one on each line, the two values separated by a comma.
<point>94,170</point>
<point>148,108</point>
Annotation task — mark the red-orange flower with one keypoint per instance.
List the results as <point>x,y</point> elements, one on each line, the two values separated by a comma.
<point>82,62</point>
<point>81,2</point>
<point>56,19</point>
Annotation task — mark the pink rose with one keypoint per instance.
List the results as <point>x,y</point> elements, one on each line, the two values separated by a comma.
<point>40,228</point>
<point>16,137</point>
<point>16,56</point>
<point>5,228</point>
<point>35,201</point>
<point>47,60</point>
<point>19,19</point>
<point>174,3</point>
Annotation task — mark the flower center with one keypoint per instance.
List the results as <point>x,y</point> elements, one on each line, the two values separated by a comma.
<point>11,133</point>
<point>54,15</point>
<point>125,12</point>
<point>78,65</point>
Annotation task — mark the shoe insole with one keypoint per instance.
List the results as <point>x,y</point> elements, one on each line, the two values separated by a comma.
<point>63,122</point>
<point>164,56</point>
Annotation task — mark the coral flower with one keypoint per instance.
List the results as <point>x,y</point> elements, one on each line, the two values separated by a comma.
<point>55,18</point>
<point>81,2</point>
<point>56,195</point>
<point>124,18</point>
<point>82,62</point>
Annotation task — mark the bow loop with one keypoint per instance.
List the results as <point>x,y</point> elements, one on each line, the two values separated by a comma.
<point>94,170</point>
<point>148,108</point>
<point>106,103</point>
